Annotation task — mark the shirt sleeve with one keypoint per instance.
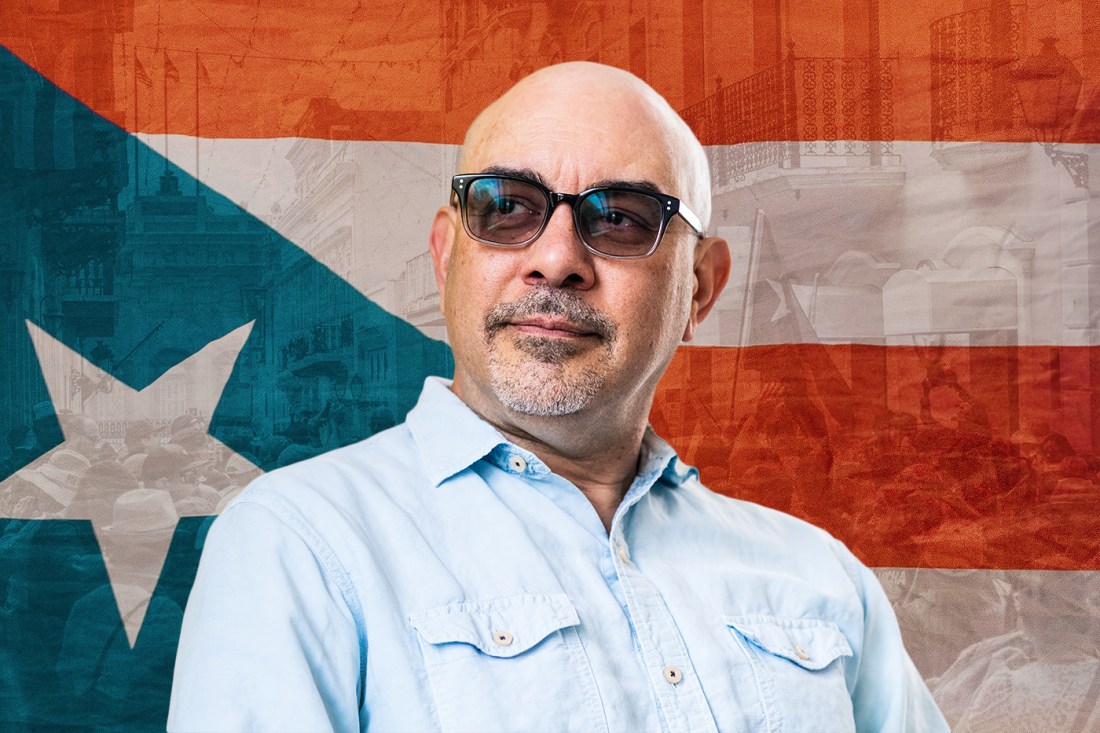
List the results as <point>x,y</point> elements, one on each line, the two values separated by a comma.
<point>268,640</point>
<point>888,694</point>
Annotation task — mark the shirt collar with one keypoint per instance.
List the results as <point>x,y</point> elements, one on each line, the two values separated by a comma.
<point>451,437</point>
<point>659,460</point>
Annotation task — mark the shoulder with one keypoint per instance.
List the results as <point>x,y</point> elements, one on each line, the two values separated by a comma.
<point>345,489</point>
<point>740,516</point>
<point>753,534</point>
<point>367,465</point>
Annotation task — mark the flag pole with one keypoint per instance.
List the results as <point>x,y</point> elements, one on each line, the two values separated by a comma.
<point>198,83</point>
<point>744,341</point>
<point>165,79</point>
<point>136,129</point>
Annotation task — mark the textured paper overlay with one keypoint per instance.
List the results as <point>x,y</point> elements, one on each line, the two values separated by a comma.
<point>906,354</point>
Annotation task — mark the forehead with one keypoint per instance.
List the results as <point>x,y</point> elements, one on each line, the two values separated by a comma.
<point>576,140</point>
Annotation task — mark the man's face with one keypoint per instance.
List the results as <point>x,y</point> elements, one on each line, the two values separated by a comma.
<point>550,328</point>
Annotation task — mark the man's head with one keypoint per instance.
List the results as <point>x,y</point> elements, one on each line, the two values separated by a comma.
<point>553,327</point>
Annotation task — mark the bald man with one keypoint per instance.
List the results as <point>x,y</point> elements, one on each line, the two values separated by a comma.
<point>524,553</point>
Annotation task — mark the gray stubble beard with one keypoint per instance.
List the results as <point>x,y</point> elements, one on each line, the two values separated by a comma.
<point>543,385</point>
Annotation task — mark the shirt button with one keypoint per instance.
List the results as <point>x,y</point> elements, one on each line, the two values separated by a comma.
<point>801,653</point>
<point>517,464</point>
<point>623,554</point>
<point>673,675</point>
<point>503,638</point>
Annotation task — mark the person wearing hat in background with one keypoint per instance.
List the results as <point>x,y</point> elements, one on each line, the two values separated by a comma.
<point>46,425</point>
<point>55,478</point>
<point>141,437</point>
<point>240,472</point>
<point>96,490</point>
<point>95,665</point>
<point>20,450</point>
<point>82,435</point>
<point>171,468</point>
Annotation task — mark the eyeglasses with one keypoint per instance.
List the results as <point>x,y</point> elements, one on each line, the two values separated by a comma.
<point>612,221</point>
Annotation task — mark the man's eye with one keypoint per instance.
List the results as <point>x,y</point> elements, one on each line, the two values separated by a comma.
<point>503,206</point>
<point>508,206</point>
<point>619,219</point>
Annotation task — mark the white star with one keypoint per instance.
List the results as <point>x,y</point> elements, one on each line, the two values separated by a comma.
<point>134,527</point>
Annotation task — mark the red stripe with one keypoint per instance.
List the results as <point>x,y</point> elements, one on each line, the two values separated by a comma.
<point>900,489</point>
<point>420,72</point>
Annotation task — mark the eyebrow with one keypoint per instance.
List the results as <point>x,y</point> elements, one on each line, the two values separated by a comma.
<point>529,174</point>
<point>617,183</point>
<point>533,175</point>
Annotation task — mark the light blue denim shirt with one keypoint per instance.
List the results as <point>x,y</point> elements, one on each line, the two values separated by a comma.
<point>438,577</point>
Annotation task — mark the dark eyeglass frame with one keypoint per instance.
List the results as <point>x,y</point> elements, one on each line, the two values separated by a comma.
<point>670,207</point>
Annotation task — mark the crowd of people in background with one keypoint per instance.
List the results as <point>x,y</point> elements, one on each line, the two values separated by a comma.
<point>85,476</point>
<point>939,488</point>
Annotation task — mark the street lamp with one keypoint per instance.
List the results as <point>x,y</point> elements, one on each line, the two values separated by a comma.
<point>356,385</point>
<point>1048,85</point>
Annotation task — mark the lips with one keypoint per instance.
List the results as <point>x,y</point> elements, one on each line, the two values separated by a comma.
<point>550,313</point>
<point>552,327</point>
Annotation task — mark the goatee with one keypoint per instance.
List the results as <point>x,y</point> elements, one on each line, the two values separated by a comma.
<point>548,387</point>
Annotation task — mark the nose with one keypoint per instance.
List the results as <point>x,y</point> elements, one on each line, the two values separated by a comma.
<point>558,258</point>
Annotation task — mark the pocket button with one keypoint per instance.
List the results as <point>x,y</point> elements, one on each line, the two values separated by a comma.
<point>502,638</point>
<point>801,653</point>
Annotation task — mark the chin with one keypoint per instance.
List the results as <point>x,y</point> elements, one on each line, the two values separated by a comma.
<point>544,390</point>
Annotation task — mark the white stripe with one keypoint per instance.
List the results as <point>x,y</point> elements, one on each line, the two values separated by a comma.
<point>983,242</point>
<point>1003,644</point>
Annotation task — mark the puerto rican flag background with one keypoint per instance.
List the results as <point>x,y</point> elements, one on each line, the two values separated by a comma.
<point>213,262</point>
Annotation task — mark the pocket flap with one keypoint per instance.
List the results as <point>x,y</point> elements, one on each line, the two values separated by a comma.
<point>809,643</point>
<point>502,627</point>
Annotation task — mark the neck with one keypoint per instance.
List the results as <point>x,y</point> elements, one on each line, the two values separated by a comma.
<point>595,450</point>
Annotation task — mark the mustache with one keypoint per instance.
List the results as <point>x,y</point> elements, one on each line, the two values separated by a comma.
<point>549,301</point>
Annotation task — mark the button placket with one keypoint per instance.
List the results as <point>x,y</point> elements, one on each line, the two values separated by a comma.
<point>659,641</point>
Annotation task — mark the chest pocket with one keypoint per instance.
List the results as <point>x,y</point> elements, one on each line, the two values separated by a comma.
<point>799,667</point>
<point>511,664</point>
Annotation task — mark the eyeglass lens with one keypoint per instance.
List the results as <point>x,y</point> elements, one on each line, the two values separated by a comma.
<point>612,221</point>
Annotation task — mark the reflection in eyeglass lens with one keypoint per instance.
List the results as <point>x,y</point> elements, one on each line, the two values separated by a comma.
<point>620,219</point>
<point>503,210</point>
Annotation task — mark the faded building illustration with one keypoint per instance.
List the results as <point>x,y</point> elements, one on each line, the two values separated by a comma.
<point>905,355</point>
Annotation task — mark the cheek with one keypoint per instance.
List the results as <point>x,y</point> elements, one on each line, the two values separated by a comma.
<point>658,309</point>
<point>475,283</point>
<point>669,301</point>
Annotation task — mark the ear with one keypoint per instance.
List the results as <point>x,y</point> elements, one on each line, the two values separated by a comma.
<point>712,271</point>
<point>440,242</point>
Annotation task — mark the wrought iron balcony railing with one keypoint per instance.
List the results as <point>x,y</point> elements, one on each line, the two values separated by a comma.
<point>801,107</point>
<point>973,54</point>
